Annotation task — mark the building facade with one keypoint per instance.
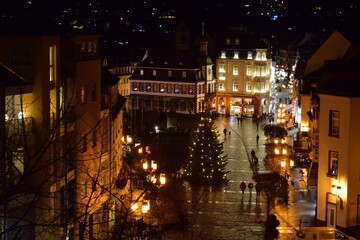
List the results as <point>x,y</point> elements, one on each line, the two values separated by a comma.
<point>70,160</point>
<point>243,73</point>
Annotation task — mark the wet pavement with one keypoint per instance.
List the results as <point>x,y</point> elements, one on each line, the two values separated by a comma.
<point>223,212</point>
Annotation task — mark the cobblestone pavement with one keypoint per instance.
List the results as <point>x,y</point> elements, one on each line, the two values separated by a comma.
<point>224,212</point>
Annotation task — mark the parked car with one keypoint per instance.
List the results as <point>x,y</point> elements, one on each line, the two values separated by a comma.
<point>321,233</point>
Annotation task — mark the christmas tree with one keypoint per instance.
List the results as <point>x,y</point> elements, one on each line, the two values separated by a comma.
<point>206,162</point>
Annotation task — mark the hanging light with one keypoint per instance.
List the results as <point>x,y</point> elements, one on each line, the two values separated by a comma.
<point>153,165</point>
<point>162,179</point>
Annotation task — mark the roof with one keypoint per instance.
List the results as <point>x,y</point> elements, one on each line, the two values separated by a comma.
<point>337,78</point>
<point>9,78</point>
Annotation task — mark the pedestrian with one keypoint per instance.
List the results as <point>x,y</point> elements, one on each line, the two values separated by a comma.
<point>257,138</point>
<point>242,187</point>
<point>238,120</point>
<point>252,154</point>
<point>258,189</point>
<point>229,132</point>
<point>250,186</point>
<point>225,131</point>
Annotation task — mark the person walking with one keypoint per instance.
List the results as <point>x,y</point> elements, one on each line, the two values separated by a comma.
<point>242,187</point>
<point>257,138</point>
<point>252,154</point>
<point>225,131</point>
<point>250,187</point>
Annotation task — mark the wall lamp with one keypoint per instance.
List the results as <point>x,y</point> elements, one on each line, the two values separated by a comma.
<point>336,190</point>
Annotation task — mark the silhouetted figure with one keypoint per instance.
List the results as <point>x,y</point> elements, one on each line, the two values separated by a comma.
<point>252,154</point>
<point>257,138</point>
<point>242,187</point>
<point>250,187</point>
<point>225,131</point>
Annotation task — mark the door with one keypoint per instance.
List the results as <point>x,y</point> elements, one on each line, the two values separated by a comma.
<point>331,215</point>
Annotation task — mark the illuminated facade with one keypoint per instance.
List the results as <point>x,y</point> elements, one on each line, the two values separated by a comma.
<point>243,79</point>
<point>73,142</point>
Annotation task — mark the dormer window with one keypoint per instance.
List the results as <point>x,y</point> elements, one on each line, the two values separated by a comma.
<point>180,63</point>
<point>236,55</point>
<point>237,42</point>
<point>258,56</point>
<point>169,73</point>
<point>249,55</point>
<point>263,56</point>
<point>141,72</point>
<point>151,62</point>
<point>183,74</point>
<point>154,72</point>
<point>223,54</point>
<point>165,63</point>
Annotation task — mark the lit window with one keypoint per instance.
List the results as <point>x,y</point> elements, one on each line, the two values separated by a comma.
<point>236,55</point>
<point>237,42</point>
<point>248,86</point>
<point>169,73</point>
<point>263,57</point>
<point>333,163</point>
<point>263,71</point>
<point>141,72</point>
<point>235,86</point>
<point>183,74</point>
<point>222,76</point>
<point>249,55</point>
<point>223,54</point>
<point>222,86</point>
<point>83,95</point>
<point>228,41</point>
<point>258,56</point>
<point>334,127</point>
<point>52,63</point>
<point>248,70</point>
<point>221,67</point>
<point>235,70</point>
<point>154,72</point>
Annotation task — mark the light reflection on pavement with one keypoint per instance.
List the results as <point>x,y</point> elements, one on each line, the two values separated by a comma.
<point>222,212</point>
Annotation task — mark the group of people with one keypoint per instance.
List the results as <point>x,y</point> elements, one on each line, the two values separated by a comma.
<point>250,186</point>
<point>225,132</point>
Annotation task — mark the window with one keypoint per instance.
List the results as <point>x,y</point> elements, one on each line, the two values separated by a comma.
<point>222,86</point>
<point>249,55</point>
<point>263,56</point>
<point>223,54</point>
<point>248,70</point>
<point>235,70</point>
<point>169,74</point>
<point>83,95</point>
<point>334,128</point>
<point>258,56</point>
<point>228,41</point>
<point>237,41</point>
<point>333,164</point>
<point>236,55</point>
<point>52,63</point>
<point>248,86</point>
<point>222,76</point>
<point>154,72</point>
<point>183,74</point>
<point>141,72</point>
<point>135,86</point>
<point>235,86</point>
<point>222,67</point>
